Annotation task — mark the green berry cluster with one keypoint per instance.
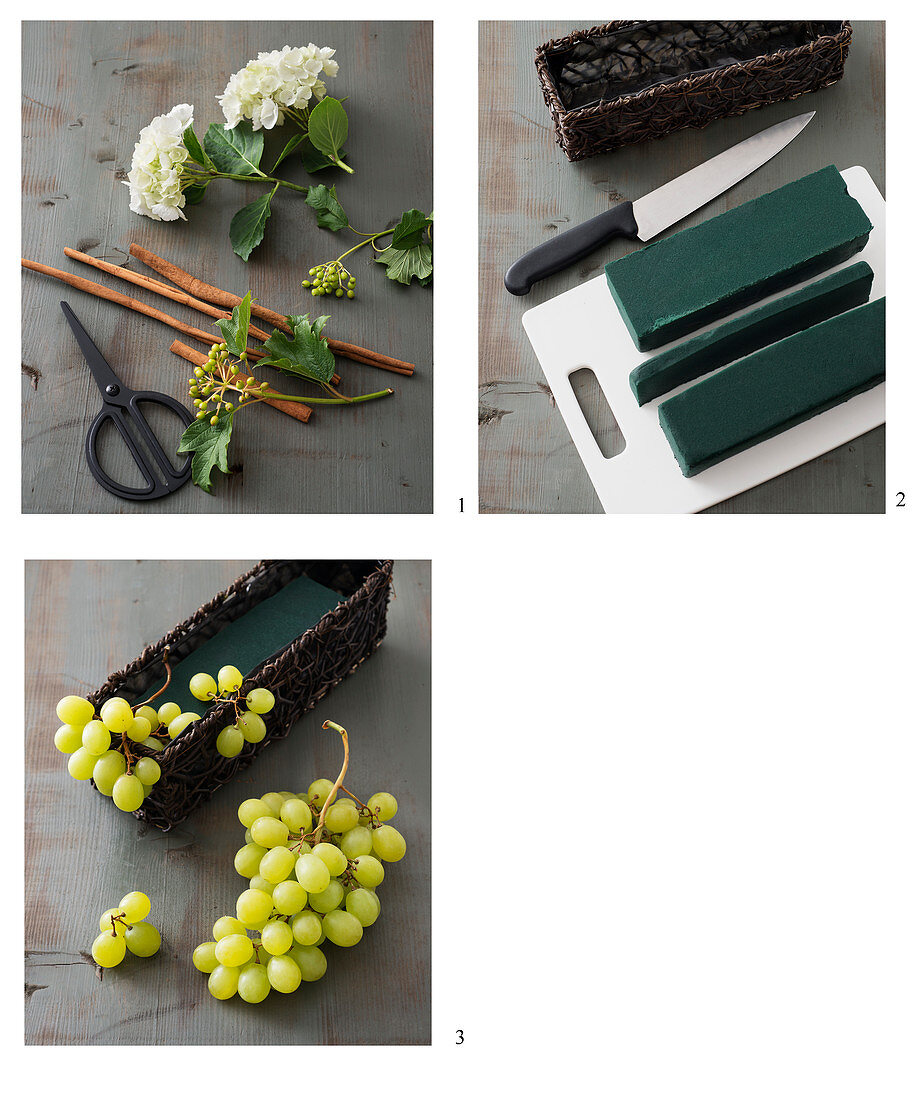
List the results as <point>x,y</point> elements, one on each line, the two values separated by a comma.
<point>331,278</point>
<point>211,382</point>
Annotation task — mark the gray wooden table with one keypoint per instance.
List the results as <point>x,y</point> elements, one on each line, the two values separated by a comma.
<point>88,90</point>
<point>529,191</point>
<point>82,854</point>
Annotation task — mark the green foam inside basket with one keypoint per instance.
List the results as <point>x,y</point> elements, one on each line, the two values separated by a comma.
<point>267,627</point>
<point>776,388</point>
<point>696,276</point>
<point>764,325</point>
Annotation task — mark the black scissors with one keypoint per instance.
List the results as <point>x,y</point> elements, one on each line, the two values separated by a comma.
<point>120,405</point>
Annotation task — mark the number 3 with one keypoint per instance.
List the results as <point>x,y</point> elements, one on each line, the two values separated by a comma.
<point>460,1039</point>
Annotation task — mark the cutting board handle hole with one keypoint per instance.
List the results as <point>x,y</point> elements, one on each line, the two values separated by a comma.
<point>597,413</point>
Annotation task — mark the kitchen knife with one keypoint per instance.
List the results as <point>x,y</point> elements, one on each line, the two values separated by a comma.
<point>647,217</point>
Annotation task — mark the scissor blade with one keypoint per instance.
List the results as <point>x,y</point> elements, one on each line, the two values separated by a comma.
<point>660,209</point>
<point>104,374</point>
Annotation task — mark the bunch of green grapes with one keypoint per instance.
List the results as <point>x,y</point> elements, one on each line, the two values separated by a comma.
<point>314,864</point>
<point>125,929</point>
<point>248,724</point>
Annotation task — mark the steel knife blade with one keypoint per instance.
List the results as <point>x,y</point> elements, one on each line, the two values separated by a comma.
<point>645,218</point>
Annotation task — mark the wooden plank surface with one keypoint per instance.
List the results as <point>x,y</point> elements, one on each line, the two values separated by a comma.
<point>529,191</point>
<point>85,619</point>
<point>88,89</point>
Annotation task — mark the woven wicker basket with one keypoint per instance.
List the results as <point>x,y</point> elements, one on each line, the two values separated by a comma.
<point>629,81</point>
<point>298,675</point>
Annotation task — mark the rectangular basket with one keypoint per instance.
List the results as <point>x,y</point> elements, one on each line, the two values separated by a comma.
<point>298,675</point>
<point>630,81</point>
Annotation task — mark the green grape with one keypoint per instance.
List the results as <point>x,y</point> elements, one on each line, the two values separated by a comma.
<point>167,712</point>
<point>148,771</point>
<point>203,686</point>
<point>107,769</point>
<point>331,856</point>
<point>95,738</point>
<point>276,937</point>
<point>139,729</point>
<point>117,714</point>
<point>342,816</point>
<point>303,795</point>
<point>310,960</point>
<point>318,791</point>
<point>253,984</point>
<point>108,950</point>
<point>342,928</point>
<point>152,743</point>
<point>277,864</point>
<point>259,883</point>
<point>364,906</point>
<point>247,859</point>
<point>229,741</point>
<point>203,958</point>
<point>285,796</point>
<point>269,831</point>
<point>128,793</point>
<point>307,928</point>
<point>284,974</point>
<point>222,982</point>
<point>312,873</point>
<point>388,844</point>
<point>81,763</point>
<point>74,711</point>
<point>149,715</point>
<point>180,722</point>
<point>260,701</point>
<point>356,842</point>
<point>143,939</point>
<point>289,898</point>
<point>234,950</point>
<point>252,808</point>
<point>147,788</point>
<point>296,814</point>
<point>228,926</point>
<point>68,738</point>
<point>383,805</point>
<point>368,871</point>
<point>327,900</point>
<point>229,678</point>
<point>253,728</point>
<point>274,800</point>
<point>106,924</point>
<point>135,906</point>
<point>254,906</point>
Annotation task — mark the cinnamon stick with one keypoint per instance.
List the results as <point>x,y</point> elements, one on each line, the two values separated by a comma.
<point>224,298</point>
<point>198,359</point>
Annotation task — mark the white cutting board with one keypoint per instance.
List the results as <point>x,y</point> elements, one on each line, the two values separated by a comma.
<point>583,328</point>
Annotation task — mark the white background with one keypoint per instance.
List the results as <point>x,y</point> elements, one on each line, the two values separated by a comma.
<point>676,760</point>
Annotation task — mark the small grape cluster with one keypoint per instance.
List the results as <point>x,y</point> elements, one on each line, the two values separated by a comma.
<point>215,379</point>
<point>125,929</point>
<point>331,278</point>
<point>104,748</point>
<point>314,862</point>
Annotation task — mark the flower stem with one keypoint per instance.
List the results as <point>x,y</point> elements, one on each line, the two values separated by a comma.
<point>260,179</point>
<point>324,400</point>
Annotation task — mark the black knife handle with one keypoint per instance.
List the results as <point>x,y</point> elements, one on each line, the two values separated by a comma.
<point>566,248</point>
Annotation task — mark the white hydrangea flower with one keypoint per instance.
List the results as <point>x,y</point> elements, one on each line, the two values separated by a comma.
<point>286,78</point>
<point>155,179</point>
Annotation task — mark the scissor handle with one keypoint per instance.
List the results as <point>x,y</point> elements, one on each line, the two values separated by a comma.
<point>119,414</point>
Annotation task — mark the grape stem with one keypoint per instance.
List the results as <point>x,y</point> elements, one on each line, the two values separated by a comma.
<point>336,786</point>
<point>355,799</point>
<point>166,662</point>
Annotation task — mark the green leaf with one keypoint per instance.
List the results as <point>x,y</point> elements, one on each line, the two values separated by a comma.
<point>209,446</point>
<point>195,150</point>
<point>249,224</point>
<point>195,194</point>
<point>237,151</point>
<point>410,231</point>
<point>305,354</point>
<point>330,215</point>
<point>314,160</point>
<point>235,329</point>
<point>405,263</point>
<point>328,126</point>
<point>290,148</point>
